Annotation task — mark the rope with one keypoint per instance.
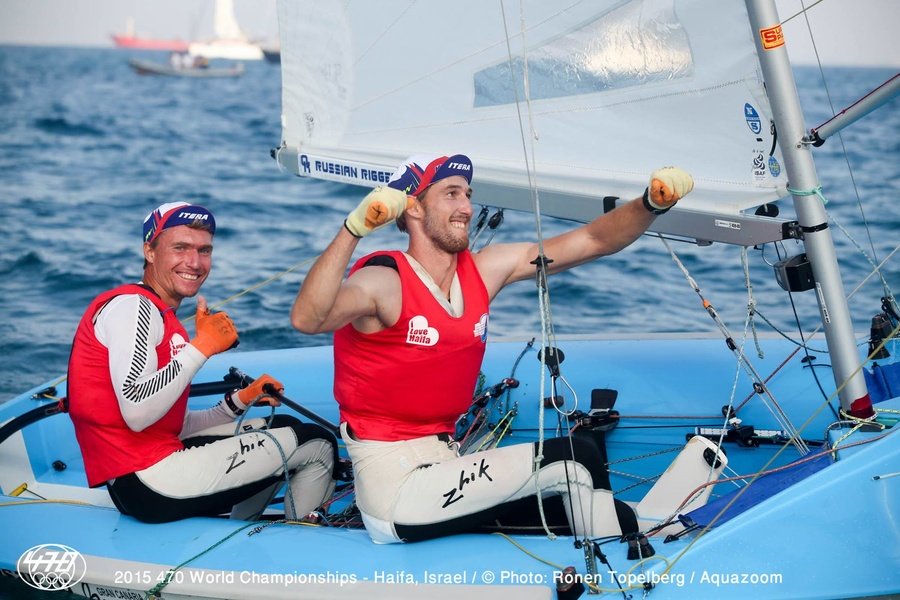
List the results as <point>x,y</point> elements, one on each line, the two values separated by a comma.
<point>543,293</point>
<point>231,298</point>
<point>816,191</point>
<point>875,268</point>
<point>288,492</point>
<point>506,422</point>
<point>787,337</point>
<point>859,423</point>
<point>802,12</point>
<point>760,387</point>
<point>840,137</point>
<point>51,501</point>
<point>512,373</point>
<point>153,593</point>
<point>262,283</point>
<point>593,586</point>
<point>754,476</point>
<point>809,336</point>
<point>751,302</point>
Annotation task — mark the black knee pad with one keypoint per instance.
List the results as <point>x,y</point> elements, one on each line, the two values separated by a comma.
<point>586,454</point>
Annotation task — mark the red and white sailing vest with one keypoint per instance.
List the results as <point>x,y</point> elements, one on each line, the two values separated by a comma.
<point>109,447</point>
<point>417,377</point>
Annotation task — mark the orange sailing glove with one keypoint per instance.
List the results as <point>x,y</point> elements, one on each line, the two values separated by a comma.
<point>254,393</point>
<point>667,186</point>
<point>215,332</point>
<point>380,207</point>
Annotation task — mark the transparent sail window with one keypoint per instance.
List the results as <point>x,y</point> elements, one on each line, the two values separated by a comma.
<point>638,42</point>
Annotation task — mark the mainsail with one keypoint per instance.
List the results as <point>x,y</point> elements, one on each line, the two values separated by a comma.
<point>596,94</point>
<point>229,41</point>
<point>224,22</point>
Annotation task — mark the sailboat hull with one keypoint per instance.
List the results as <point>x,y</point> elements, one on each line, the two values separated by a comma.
<point>786,546</point>
<point>137,43</point>
<point>146,67</point>
<point>237,50</point>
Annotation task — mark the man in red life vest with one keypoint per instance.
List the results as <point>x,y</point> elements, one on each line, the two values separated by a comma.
<point>416,321</point>
<point>129,375</point>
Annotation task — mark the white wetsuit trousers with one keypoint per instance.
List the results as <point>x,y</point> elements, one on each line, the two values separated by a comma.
<point>218,470</point>
<point>421,488</point>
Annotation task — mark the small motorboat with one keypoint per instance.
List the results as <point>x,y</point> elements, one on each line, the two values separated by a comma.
<point>202,69</point>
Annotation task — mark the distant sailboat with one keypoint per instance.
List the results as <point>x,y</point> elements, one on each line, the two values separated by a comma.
<point>272,54</point>
<point>131,40</point>
<point>230,42</point>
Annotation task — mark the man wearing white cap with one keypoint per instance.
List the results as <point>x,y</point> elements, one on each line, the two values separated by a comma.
<point>410,331</point>
<point>129,375</point>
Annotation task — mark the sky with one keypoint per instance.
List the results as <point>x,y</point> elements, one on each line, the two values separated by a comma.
<point>847,32</point>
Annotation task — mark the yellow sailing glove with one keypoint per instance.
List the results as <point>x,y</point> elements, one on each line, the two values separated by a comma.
<point>380,207</point>
<point>215,332</point>
<point>667,186</point>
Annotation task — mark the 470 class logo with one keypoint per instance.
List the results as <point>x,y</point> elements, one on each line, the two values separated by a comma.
<point>51,567</point>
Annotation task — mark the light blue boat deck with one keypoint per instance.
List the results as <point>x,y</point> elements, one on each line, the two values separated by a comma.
<point>832,534</point>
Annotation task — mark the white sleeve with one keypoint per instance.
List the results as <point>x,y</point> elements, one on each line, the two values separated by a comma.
<point>131,327</point>
<point>198,420</point>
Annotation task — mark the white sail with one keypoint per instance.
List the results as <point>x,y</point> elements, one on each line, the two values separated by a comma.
<point>230,42</point>
<point>616,90</point>
<point>225,24</point>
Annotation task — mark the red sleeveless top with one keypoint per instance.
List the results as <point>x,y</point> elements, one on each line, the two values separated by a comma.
<point>417,377</point>
<point>109,447</point>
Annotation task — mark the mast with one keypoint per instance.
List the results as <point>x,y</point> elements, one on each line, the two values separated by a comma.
<point>811,215</point>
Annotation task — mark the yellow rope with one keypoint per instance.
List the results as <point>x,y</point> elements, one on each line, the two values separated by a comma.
<point>529,552</point>
<point>52,501</point>
<point>860,422</point>
<point>507,421</point>
<point>256,286</point>
<point>776,454</point>
<point>669,563</point>
<point>590,584</point>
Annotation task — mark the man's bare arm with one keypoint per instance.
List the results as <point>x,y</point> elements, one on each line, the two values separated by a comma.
<point>321,305</point>
<point>607,234</point>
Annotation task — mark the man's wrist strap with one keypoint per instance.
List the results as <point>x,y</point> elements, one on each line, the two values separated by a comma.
<point>231,404</point>
<point>650,207</point>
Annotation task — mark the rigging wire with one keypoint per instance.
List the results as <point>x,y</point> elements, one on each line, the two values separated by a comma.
<point>751,302</point>
<point>844,152</point>
<point>759,386</point>
<point>888,292</point>
<point>547,335</point>
<point>815,331</point>
<point>802,12</point>
<point>540,240</point>
<point>806,350</point>
<point>776,329</point>
<point>231,298</point>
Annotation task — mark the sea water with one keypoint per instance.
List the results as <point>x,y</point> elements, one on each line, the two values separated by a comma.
<point>88,148</point>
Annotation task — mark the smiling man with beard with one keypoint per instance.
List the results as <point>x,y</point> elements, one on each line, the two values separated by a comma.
<point>410,332</point>
<point>130,371</point>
